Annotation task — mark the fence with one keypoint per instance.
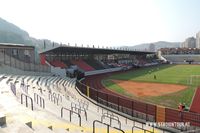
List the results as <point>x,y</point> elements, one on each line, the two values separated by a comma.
<point>139,109</point>
<point>130,107</point>
<point>172,115</point>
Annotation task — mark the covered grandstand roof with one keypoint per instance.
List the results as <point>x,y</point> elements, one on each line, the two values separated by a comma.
<point>70,49</point>
<point>11,45</point>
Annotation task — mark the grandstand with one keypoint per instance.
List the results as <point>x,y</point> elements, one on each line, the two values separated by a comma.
<point>183,59</point>
<point>44,100</point>
<point>49,104</point>
<point>93,60</point>
<point>181,55</point>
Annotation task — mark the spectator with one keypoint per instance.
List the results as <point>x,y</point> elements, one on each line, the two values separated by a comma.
<point>154,76</point>
<point>183,106</point>
<point>180,107</point>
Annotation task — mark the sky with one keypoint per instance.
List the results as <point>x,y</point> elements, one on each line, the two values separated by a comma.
<point>105,22</point>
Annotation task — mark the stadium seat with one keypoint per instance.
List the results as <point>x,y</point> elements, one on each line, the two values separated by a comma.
<point>83,65</point>
<point>94,63</point>
<point>57,63</point>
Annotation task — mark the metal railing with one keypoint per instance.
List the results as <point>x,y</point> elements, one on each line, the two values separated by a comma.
<point>79,109</point>
<point>107,126</point>
<point>26,100</point>
<point>111,118</point>
<point>70,116</point>
<point>53,99</point>
<point>39,100</point>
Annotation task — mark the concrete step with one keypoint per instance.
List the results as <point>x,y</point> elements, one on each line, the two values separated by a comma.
<point>42,129</point>
<point>16,127</point>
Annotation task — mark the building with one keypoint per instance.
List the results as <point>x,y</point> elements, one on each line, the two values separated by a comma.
<point>198,40</point>
<point>189,43</point>
<point>152,47</point>
<point>21,57</point>
<point>17,51</point>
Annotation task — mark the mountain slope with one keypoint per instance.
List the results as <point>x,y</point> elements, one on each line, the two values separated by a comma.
<point>10,33</point>
<point>158,45</point>
<point>11,28</point>
<point>10,37</point>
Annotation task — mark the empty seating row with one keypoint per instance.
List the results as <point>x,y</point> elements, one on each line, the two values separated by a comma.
<point>83,65</point>
<point>57,63</point>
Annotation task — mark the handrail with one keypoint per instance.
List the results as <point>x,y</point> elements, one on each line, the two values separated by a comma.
<point>40,89</point>
<point>27,100</point>
<point>63,84</point>
<point>34,79</point>
<point>38,81</point>
<point>29,79</point>
<point>54,94</point>
<point>13,88</point>
<point>42,79</point>
<point>53,99</point>
<point>2,78</point>
<point>84,104</point>
<point>79,108</point>
<point>143,126</point>
<point>71,111</point>
<point>111,117</point>
<point>107,125</point>
<point>145,130</point>
<point>47,81</point>
<point>58,80</point>
<point>10,79</point>
<point>39,98</point>
<point>24,87</point>
<point>58,96</point>
<point>16,81</point>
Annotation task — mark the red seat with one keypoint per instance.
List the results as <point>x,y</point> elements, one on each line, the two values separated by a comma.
<point>83,65</point>
<point>57,63</point>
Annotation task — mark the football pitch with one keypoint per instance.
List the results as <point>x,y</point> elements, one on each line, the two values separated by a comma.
<point>182,75</point>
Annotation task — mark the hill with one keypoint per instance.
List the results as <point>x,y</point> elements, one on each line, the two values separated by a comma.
<point>158,45</point>
<point>10,33</point>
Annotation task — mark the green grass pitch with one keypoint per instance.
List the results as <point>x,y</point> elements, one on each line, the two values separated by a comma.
<point>169,74</point>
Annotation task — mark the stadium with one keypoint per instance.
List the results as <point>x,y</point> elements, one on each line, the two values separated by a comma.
<point>96,90</point>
